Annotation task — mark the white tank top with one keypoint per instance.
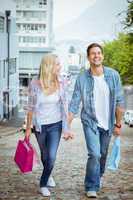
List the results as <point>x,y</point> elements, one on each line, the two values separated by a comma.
<point>49,107</point>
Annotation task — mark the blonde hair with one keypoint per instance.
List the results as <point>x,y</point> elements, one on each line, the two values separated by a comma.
<point>49,80</point>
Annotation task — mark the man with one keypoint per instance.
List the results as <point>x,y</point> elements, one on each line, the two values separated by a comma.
<point>99,88</point>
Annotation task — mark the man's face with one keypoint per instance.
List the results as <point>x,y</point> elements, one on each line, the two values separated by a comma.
<point>95,56</point>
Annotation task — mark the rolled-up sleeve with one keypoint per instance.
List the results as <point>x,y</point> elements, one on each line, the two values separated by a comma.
<point>120,102</point>
<point>64,106</point>
<point>32,98</point>
<point>76,98</point>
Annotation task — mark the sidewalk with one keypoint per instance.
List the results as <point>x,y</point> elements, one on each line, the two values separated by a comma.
<point>10,127</point>
<point>69,169</point>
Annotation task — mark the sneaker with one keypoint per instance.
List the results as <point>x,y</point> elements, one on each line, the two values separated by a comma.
<point>91,194</point>
<point>101,182</point>
<point>51,182</point>
<point>45,191</point>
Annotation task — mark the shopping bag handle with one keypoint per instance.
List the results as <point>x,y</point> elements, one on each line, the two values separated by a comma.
<point>27,139</point>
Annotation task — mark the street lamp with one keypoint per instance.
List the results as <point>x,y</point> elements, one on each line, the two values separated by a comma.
<point>8,13</point>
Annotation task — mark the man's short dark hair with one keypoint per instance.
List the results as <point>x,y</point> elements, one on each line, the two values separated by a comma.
<point>93,45</point>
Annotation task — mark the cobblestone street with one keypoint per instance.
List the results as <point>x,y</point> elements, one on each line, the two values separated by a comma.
<point>69,169</point>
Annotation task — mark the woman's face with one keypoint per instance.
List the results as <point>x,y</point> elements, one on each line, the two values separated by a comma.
<point>57,66</point>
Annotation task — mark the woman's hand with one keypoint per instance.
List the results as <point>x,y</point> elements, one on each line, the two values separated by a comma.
<point>68,135</point>
<point>27,134</point>
<point>28,125</point>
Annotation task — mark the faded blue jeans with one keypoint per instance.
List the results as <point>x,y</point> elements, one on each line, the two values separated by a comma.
<point>97,146</point>
<point>48,141</point>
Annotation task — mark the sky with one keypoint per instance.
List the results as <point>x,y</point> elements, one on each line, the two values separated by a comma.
<point>67,10</point>
<point>84,19</point>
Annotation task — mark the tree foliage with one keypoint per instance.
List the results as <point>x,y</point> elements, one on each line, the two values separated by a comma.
<point>119,52</point>
<point>119,55</point>
<point>129,16</point>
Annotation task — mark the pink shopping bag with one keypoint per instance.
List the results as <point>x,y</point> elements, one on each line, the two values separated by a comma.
<point>24,156</point>
<point>35,159</point>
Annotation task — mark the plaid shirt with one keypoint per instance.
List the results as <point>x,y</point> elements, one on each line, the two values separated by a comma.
<point>83,92</point>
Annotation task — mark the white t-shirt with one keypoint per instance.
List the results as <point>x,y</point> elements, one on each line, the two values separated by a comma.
<point>49,107</point>
<point>101,101</point>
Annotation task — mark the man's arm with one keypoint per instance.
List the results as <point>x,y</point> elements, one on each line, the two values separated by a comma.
<point>119,107</point>
<point>119,93</point>
<point>118,114</point>
<point>75,101</point>
<point>70,118</point>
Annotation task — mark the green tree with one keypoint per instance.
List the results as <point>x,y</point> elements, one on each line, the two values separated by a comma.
<point>119,55</point>
<point>129,17</point>
<point>119,52</point>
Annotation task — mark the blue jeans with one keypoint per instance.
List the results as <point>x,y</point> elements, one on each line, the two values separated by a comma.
<point>48,141</point>
<point>97,146</point>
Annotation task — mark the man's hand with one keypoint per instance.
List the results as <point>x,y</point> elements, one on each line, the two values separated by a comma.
<point>68,135</point>
<point>118,114</point>
<point>117,131</point>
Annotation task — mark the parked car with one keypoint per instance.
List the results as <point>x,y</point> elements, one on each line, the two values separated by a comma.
<point>130,120</point>
<point>128,117</point>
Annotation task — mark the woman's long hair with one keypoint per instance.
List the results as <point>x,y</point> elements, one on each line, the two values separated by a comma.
<point>47,76</point>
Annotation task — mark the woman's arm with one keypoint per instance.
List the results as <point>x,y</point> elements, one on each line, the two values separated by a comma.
<point>28,125</point>
<point>30,108</point>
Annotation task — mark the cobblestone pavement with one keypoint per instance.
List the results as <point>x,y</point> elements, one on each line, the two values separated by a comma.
<point>69,169</point>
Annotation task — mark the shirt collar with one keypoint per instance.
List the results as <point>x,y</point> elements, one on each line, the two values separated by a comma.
<point>105,71</point>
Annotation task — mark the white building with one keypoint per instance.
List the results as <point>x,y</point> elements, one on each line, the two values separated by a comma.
<point>9,76</point>
<point>35,31</point>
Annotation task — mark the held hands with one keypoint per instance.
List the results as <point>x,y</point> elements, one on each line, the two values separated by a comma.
<point>68,135</point>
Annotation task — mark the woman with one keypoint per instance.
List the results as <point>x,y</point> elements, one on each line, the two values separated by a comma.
<point>48,111</point>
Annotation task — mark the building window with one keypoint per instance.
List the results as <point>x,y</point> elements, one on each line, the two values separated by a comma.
<point>20,39</point>
<point>43,40</point>
<point>23,40</point>
<point>31,39</point>
<point>27,3</point>
<point>44,26</point>
<point>43,2</point>
<point>35,39</point>
<point>39,40</point>
<point>18,14</point>
<point>32,27</point>
<point>27,27</point>
<point>12,65</point>
<point>1,24</point>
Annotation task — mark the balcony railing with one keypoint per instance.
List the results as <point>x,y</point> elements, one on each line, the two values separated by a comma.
<point>33,21</point>
<point>31,7</point>
<point>21,18</point>
<point>29,32</point>
<point>32,44</point>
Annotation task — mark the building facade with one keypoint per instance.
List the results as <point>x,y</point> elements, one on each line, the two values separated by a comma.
<point>9,76</point>
<point>35,32</point>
